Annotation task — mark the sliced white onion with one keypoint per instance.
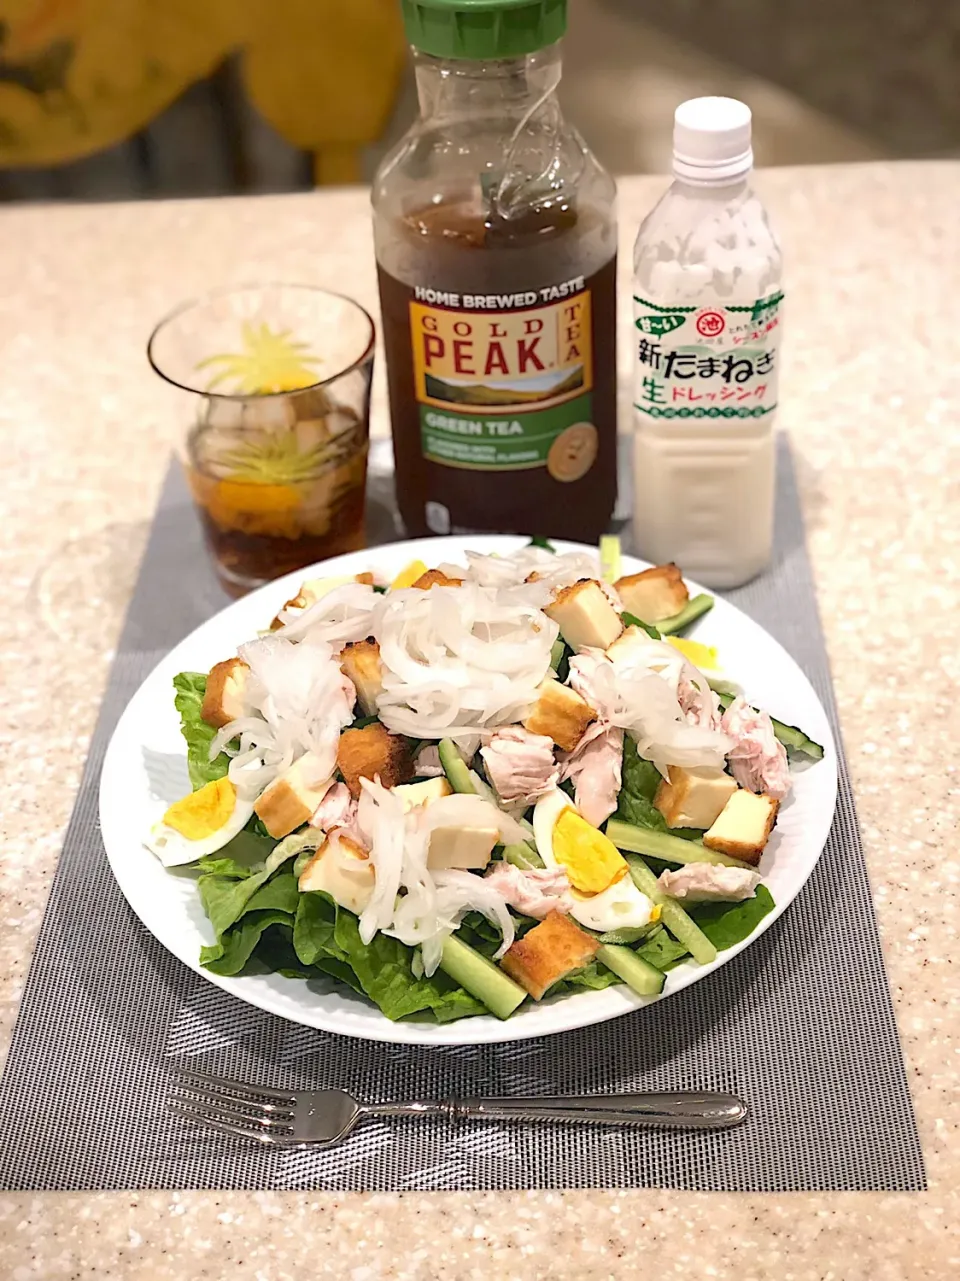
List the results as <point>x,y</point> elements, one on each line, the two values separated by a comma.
<point>474,894</point>
<point>300,702</point>
<point>338,617</point>
<point>553,570</point>
<point>380,818</point>
<point>458,660</point>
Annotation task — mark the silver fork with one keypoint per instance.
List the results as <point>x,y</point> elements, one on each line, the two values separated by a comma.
<point>324,1118</point>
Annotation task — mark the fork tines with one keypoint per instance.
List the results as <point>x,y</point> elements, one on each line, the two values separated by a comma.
<point>233,1107</point>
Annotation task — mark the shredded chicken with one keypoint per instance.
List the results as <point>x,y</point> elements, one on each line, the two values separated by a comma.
<point>708,883</point>
<point>596,762</point>
<point>758,761</point>
<point>698,702</point>
<point>338,809</point>
<point>595,766</point>
<point>428,762</point>
<point>591,676</point>
<point>520,765</point>
<point>642,693</point>
<point>536,892</point>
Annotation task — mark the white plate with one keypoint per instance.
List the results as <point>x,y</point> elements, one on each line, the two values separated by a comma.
<point>145,770</point>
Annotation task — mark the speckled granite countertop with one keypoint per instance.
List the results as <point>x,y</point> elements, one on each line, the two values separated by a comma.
<point>870,399</point>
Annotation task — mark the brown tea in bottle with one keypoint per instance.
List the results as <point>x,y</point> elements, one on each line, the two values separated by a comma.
<point>496,254</point>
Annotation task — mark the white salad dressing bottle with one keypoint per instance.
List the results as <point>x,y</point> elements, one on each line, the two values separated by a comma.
<point>707,309</point>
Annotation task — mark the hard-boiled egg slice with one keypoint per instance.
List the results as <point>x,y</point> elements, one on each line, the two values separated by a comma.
<point>408,575</point>
<point>706,658</point>
<point>617,907</point>
<point>565,839</point>
<point>199,824</point>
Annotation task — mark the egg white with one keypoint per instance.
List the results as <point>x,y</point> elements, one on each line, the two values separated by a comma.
<point>614,908</point>
<point>173,849</point>
<point>619,905</point>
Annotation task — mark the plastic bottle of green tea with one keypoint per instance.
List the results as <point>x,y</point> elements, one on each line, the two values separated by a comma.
<point>496,251</point>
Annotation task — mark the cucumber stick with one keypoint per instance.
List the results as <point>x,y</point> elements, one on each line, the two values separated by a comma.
<point>683,927</point>
<point>667,848</point>
<point>481,978</point>
<point>630,933</point>
<point>694,609</point>
<point>639,975</point>
<point>522,855</point>
<point>454,766</point>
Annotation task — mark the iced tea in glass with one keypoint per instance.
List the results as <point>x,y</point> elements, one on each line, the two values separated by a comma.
<point>276,396</point>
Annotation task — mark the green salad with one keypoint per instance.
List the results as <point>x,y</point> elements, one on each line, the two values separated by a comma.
<point>473,787</point>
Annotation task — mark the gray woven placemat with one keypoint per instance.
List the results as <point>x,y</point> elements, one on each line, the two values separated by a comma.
<point>800,1024</point>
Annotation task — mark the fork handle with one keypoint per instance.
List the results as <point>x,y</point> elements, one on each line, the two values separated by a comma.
<point>707,1110</point>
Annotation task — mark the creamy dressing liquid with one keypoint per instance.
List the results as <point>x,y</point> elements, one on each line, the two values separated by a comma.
<point>707,311</point>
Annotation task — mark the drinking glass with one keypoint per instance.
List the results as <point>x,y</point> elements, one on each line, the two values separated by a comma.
<point>275,393</point>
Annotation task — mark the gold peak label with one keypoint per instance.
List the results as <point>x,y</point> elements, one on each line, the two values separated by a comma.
<point>518,360</point>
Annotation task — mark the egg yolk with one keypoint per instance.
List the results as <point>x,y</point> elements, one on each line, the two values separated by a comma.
<point>703,656</point>
<point>591,860</point>
<point>407,577</point>
<point>204,811</point>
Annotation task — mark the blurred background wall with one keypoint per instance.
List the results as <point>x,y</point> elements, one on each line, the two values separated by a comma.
<point>104,99</point>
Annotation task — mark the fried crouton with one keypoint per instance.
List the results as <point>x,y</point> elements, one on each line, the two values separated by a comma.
<point>291,799</point>
<point>654,594</point>
<point>585,616</point>
<point>371,751</point>
<point>342,869</point>
<point>306,596</point>
<point>559,713</point>
<point>225,697</point>
<point>694,797</point>
<point>549,952</point>
<point>436,578</point>
<point>744,826</point>
<point>360,661</point>
<point>366,578</point>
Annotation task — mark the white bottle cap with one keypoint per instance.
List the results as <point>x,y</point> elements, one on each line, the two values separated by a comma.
<point>711,140</point>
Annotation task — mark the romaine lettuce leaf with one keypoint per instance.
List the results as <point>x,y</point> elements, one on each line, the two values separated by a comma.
<point>190,688</point>
<point>313,931</point>
<point>214,865</point>
<point>631,620</point>
<point>280,893</point>
<point>234,947</point>
<point>225,898</point>
<point>324,932</point>
<point>662,950</point>
<point>594,976</point>
<point>727,923</point>
<point>246,853</point>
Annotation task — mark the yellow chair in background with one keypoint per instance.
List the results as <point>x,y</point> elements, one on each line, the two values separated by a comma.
<point>77,76</point>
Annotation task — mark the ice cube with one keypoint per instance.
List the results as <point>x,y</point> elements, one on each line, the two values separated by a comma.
<point>269,413</point>
<point>312,404</point>
<point>340,421</point>
<point>311,433</point>
<point>222,413</point>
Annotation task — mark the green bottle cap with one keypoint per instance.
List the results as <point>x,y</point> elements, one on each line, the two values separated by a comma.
<point>481,29</point>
